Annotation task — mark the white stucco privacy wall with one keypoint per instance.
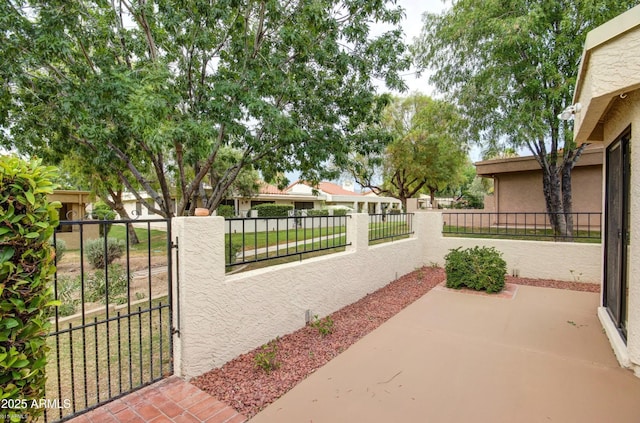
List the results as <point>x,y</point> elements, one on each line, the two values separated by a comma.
<point>220,316</point>
<point>564,261</point>
<point>223,316</point>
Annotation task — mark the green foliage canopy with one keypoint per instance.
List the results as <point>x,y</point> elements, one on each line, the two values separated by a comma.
<point>155,91</point>
<point>511,66</point>
<point>428,151</point>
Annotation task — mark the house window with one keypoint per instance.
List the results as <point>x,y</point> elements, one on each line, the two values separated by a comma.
<point>303,205</point>
<point>65,213</point>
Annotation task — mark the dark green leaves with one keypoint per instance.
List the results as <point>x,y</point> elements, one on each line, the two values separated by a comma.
<point>150,94</point>
<point>27,222</point>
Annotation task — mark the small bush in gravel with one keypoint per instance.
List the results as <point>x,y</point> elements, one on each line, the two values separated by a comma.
<point>479,268</point>
<point>266,359</point>
<point>324,326</point>
<point>96,250</point>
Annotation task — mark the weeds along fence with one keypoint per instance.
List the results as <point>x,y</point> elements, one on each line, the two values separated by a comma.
<point>251,240</point>
<point>112,331</point>
<point>587,226</point>
<point>387,227</point>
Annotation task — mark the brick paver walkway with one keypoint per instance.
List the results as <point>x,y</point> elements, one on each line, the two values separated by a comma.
<point>170,400</point>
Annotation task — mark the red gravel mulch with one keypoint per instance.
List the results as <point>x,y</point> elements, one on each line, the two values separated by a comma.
<point>544,283</point>
<point>248,388</point>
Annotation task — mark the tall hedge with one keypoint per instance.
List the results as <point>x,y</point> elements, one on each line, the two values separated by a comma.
<point>273,210</point>
<point>27,222</point>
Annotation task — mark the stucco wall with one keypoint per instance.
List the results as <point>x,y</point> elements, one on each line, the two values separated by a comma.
<point>626,112</point>
<point>530,259</point>
<point>222,316</point>
<point>615,70</point>
<point>522,191</point>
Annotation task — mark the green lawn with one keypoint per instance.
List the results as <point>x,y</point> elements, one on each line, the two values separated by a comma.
<point>253,240</point>
<point>517,234</point>
<point>107,358</point>
<point>155,237</point>
<point>395,229</point>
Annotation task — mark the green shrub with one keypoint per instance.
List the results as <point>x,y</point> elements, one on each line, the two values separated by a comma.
<point>340,212</point>
<point>313,212</point>
<point>103,212</point>
<point>323,326</point>
<point>96,285</point>
<point>273,210</point>
<point>479,268</point>
<point>26,272</point>
<point>61,248</point>
<point>67,287</point>
<point>469,201</point>
<point>266,359</point>
<point>225,210</point>
<point>95,251</point>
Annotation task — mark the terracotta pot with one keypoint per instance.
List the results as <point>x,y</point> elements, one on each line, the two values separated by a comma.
<point>200,211</point>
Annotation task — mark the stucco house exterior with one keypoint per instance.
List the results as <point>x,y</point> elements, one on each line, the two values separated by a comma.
<point>300,194</point>
<point>607,113</point>
<point>74,207</point>
<point>517,183</point>
<point>326,195</point>
<point>271,194</point>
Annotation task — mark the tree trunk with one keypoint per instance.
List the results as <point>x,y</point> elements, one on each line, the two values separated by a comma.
<point>567,202</point>
<point>553,196</point>
<point>122,212</point>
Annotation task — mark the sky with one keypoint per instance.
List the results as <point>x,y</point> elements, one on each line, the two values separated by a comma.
<point>412,25</point>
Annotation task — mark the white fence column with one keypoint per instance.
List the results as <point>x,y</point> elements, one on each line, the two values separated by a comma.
<point>358,231</point>
<point>199,264</point>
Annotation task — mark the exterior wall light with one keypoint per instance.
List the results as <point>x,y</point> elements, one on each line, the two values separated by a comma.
<point>569,112</point>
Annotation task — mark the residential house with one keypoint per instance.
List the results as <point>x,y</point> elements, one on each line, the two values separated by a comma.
<point>301,195</point>
<point>517,183</point>
<point>268,193</point>
<point>607,112</point>
<point>325,195</point>
<point>74,207</point>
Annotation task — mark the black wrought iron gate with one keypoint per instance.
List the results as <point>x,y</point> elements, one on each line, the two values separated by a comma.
<point>112,331</point>
<point>617,229</point>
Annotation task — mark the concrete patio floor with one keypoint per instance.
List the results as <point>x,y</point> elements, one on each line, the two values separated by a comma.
<point>540,356</point>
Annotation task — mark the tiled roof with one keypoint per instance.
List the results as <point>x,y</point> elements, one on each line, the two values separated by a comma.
<point>266,188</point>
<point>334,189</point>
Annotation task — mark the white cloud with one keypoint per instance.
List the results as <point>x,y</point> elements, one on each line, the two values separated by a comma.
<point>412,25</point>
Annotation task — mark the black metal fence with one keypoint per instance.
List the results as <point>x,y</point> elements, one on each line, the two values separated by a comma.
<point>112,331</point>
<point>390,226</point>
<point>586,225</point>
<point>250,240</point>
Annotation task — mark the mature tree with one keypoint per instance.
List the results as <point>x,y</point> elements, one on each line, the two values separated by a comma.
<point>158,91</point>
<point>427,153</point>
<point>469,192</point>
<point>511,66</point>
